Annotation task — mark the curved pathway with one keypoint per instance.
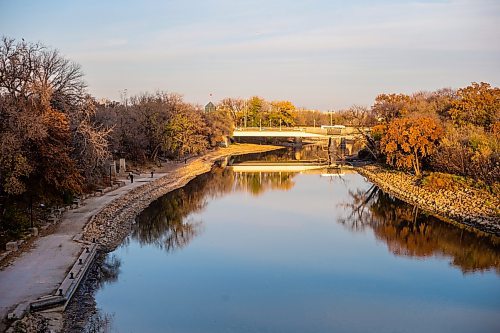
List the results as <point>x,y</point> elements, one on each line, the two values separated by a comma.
<point>40,270</point>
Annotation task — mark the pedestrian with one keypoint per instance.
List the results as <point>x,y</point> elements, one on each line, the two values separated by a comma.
<point>185,160</point>
<point>131,175</point>
<point>152,173</point>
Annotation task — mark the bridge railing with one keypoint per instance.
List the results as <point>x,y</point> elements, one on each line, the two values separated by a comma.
<point>310,129</point>
<point>264,128</point>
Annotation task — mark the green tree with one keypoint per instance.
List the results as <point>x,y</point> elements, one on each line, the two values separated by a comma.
<point>256,111</point>
<point>282,113</point>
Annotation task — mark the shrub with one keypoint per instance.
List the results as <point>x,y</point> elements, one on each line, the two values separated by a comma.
<point>436,181</point>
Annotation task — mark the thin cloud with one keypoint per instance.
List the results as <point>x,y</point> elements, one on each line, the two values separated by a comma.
<point>320,53</point>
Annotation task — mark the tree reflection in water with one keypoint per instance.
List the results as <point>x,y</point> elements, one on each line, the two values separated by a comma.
<point>257,183</point>
<point>410,233</point>
<point>167,224</point>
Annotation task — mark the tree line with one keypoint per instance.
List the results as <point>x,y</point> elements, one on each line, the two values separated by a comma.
<point>448,131</point>
<point>258,112</point>
<point>56,139</point>
<point>161,126</point>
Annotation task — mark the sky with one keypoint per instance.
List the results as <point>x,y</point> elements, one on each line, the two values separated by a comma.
<point>319,54</point>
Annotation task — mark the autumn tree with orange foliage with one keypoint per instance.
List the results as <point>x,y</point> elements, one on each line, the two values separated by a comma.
<point>477,104</point>
<point>36,149</point>
<point>409,140</point>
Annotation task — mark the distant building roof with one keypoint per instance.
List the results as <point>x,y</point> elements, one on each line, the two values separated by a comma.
<point>210,107</point>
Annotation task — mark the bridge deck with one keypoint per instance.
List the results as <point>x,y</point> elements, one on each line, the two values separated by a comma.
<point>278,134</point>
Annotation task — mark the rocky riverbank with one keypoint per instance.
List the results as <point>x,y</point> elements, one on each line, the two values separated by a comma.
<point>466,206</point>
<point>113,223</point>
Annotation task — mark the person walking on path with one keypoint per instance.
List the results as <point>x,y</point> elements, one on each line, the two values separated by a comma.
<point>131,175</point>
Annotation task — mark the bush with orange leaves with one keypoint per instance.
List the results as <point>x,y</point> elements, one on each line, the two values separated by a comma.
<point>407,141</point>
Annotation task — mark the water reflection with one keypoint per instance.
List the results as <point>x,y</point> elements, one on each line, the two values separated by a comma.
<point>257,183</point>
<point>313,152</point>
<point>167,224</point>
<point>408,232</point>
<point>272,247</point>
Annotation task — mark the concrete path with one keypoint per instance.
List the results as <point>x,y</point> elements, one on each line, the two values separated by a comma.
<point>39,271</point>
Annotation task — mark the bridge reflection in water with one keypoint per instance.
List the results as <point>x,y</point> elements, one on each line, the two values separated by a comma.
<point>277,167</point>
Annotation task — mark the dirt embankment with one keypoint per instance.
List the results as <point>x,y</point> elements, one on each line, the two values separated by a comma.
<point>466,206</point>
<point>113,223</point>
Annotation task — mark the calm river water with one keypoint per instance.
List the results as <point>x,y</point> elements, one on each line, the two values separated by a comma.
<point>297,252</point>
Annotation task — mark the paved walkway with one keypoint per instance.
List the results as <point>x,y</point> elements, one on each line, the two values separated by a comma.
<point>40,270</point>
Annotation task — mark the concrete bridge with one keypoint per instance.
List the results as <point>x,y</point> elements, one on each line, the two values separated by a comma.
<point>294,132</point>
<point>273,133</point>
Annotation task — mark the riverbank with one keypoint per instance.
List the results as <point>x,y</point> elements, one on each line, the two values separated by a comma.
<point>466,206</point>
<point>41,269</point>
<point>113,223</point>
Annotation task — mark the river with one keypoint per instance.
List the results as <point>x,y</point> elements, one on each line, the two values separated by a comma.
<point>317,250</point>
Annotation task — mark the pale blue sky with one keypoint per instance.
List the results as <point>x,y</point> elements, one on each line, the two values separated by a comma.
<point>318,53</point>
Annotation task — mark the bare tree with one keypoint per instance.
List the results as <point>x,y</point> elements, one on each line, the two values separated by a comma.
<point>362,118</point>
<point>37,83</point>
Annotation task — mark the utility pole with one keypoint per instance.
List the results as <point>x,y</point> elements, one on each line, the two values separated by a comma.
<point>331,117</point>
